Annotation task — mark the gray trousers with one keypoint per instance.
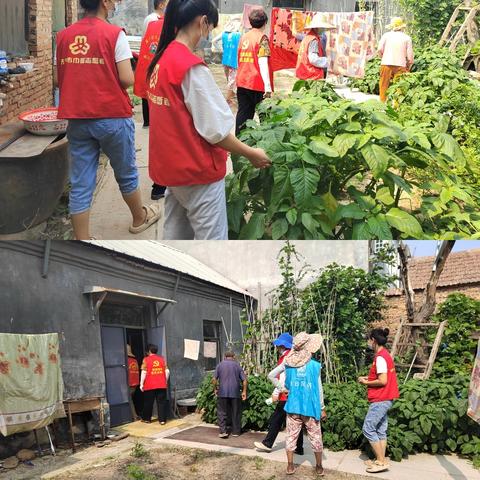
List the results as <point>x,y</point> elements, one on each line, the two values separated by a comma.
<point>196,212</point>
<point>229,409</point>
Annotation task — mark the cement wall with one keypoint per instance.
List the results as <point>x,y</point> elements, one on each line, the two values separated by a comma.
<point>32,304</point>
<point>254,266</point>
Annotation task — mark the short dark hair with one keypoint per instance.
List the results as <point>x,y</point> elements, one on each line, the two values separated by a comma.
<point>152,348</point>
<point>156,3</point>
<point>229,354</point>
<point>380,335</point>
<point>90,5</point>
<point>258,18</point>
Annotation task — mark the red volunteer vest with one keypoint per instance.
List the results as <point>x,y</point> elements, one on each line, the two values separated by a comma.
<point>390,390</point>
<point>305,70</point>
<point>87,73</point>
<point>178,155</point>
<point>147,52</point>
<point>248,73</point>
<point>156,375</point>
<point>133,372</point>
<point>283,397</point>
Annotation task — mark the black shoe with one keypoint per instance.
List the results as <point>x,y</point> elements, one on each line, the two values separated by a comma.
<point>299,451</point>
<point>158,192</point>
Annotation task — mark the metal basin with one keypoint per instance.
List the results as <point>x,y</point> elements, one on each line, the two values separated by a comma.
<point>31,187</point>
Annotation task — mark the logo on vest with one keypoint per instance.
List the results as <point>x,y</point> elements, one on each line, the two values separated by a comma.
<point>245,44</point>
<point>80,45</point>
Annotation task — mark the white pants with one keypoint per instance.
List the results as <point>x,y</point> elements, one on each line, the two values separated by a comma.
<point>196,212</point>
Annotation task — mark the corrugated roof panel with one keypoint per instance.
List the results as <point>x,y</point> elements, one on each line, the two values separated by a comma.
<point>169,257</point>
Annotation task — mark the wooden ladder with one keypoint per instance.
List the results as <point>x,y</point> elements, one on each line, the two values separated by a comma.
<point>402,342</point>
<point>468,26</point>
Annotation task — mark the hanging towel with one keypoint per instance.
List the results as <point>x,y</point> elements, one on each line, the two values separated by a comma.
<point>31,384</point>
<point>210,349</point>
<point>474,392</point>
<point>192,349</point>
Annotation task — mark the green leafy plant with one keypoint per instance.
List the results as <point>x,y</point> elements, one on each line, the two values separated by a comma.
<point>457,351</point>
<point>135,472</point>
<point>430,416</point>
<point>255,412</point>
<point>139,451</point>
<point>343,170</point>
<point>428,18</point>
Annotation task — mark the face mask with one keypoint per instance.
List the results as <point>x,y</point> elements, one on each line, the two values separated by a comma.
<point>203,39</point>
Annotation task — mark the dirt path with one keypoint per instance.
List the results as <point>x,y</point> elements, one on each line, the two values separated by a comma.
<point>152,463</point>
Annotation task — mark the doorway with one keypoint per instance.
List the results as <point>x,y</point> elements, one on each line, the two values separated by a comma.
<point>123,324</point>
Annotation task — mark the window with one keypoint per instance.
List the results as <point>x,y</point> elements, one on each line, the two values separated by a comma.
<point>291,4</point>
<point>14,26</point>
<point>211,333</point>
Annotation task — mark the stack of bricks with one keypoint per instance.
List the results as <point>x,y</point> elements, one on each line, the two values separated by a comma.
<point>35,89</point>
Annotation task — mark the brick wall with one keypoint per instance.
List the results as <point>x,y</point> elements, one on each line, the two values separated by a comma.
<point>35,89</point>
<point>396,310</point>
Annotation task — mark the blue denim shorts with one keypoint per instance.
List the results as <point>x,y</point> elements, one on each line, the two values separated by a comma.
<point>376,422</point>
<point>116,138</point>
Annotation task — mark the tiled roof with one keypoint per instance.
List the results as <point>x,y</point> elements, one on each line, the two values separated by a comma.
<point>461,268</point>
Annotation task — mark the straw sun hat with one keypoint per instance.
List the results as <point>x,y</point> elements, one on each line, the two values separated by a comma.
<point>318,21</point>
<point>397,23</point>
<point>303,347</point>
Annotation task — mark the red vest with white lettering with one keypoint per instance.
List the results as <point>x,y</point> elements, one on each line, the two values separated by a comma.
<point>133,372</point>
<point>305,70</point>
<point>248,73</point>
<point>283,397</point>
<point>87,73</point>
<point>156,375</point>
<point>178,155</point>
<point>147,52</point>
<point>390,390</point>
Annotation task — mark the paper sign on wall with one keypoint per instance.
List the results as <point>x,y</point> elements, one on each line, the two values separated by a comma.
<point>210,349</point>
<point>192,349</point>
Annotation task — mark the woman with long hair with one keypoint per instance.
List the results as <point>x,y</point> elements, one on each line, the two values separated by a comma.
<point>190,127</point>
<point>382,387</point>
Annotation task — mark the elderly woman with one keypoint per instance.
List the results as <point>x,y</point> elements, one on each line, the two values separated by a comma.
<point>396,50</point>
<point>304,406</point>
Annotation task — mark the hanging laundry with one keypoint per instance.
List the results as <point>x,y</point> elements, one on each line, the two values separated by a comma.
<point>474,392</point>
<point>31,384</point>
<point>348,48</point>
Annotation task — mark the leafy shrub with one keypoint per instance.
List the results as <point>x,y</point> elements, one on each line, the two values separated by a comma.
<point>359,299</point>
<point>428,18</point>
<point>341,170</point>
<point>441,88</point>
<point>430,416</point>
<point>255,412</point>
<point>457,351</point>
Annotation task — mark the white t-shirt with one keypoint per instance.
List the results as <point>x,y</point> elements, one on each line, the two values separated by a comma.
<point>153,17</point>
<point>381,365</point>
<point>211,114</point>
<point>122,48</point>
